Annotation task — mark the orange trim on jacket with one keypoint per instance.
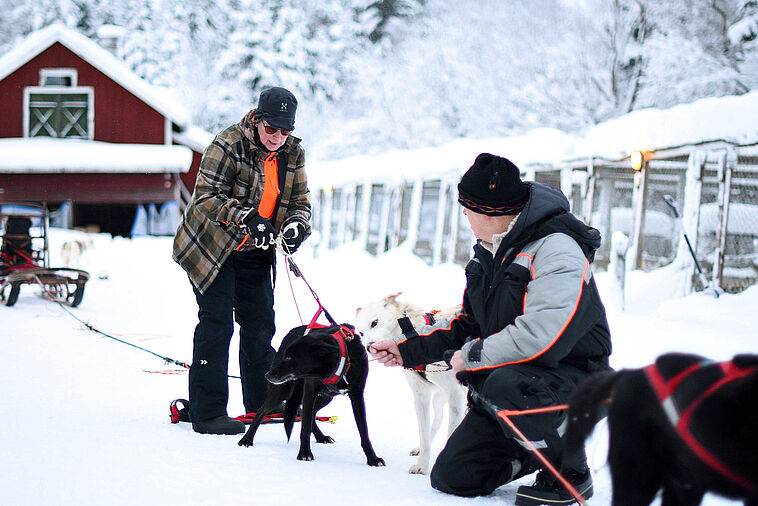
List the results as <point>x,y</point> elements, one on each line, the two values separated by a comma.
<point>560,333</point>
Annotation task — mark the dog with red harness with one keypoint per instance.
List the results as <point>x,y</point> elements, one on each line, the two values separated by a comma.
<point>684,424</point>
<point>313,364</point>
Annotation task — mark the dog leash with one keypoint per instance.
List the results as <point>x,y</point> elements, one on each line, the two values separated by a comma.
<point>506,414</point>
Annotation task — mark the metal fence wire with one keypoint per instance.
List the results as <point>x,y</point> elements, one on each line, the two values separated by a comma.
<point>424,214</point>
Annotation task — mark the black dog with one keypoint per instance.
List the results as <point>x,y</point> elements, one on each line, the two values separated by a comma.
<point>309,369</point>
<point>685,424</point>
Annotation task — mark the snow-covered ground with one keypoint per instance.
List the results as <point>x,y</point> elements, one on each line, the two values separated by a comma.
<point>85,423</point>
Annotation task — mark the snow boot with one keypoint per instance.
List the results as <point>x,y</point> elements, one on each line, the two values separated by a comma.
<point>219,425</point>
<point>549,491</point>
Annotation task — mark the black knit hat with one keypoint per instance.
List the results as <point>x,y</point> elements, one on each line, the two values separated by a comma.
<point>277,106</point>
<point>492,186</point>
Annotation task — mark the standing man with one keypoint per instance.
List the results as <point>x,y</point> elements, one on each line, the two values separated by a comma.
<point>251,187</point>
<point>532,326</point>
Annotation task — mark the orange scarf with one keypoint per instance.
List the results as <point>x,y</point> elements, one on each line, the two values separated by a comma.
<point>270,186</point>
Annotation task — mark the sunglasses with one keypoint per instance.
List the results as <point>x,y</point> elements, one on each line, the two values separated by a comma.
<point>272,130</point>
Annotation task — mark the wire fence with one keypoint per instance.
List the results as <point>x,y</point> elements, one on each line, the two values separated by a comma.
<point>713,188</point>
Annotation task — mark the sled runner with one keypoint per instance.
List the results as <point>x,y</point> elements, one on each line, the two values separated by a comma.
<point>179,412</point>
<point>25,257</point>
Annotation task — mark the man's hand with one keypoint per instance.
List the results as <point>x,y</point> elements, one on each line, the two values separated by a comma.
<point>456,363</point>
<point>386,352</point>
<point>259,230</point>
<point>293,234</point>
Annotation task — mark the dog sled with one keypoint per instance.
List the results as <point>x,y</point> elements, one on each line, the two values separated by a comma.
<point>25,257</point>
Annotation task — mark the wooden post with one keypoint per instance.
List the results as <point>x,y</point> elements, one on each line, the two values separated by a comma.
<point>639,203</point>
<point>365,213</point>
<point>589,192</point>
<point>415,218</point>
<point>693,191</point>
<point>726,162</point>
<point>440,224</point>
<point>455,214</point>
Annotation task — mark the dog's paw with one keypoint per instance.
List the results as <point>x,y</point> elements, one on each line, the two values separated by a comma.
<point>376,462</point>
<point>325,440</point>
<point>245,441</point>
<point>305,455</point>
<point>417,469</point>
<point>415,452</point>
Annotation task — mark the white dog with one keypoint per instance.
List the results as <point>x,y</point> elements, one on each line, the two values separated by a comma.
<point>434,385</point>
<point>72,251</point>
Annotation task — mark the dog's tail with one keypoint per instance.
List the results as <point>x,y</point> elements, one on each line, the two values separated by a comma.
<point>587,405</point>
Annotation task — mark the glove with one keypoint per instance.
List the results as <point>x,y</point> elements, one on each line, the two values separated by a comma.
<point>293,235</point>
<point>259,230</point>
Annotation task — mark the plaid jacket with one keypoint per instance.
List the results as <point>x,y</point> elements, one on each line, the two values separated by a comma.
<point>230,181</point>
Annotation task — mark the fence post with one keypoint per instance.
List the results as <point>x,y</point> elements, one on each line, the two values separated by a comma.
<point>326,224</point>
<point>415,218</point>
<point>455,214</point>
<point>365,213</point>
<point>726,163</point>
<point>381,240</point>
<point>693,190</point>
<point>589,192</point>
<point>619,247</point>
<point>567,182</point>
<point>439,227</point>
<point>639,203</point>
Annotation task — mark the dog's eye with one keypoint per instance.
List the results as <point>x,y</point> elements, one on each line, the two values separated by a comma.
<point>374,323</point>
<point>287,358</point>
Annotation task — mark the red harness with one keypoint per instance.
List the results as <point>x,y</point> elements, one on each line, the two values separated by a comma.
<point>342,334</point>
<point>681,392</point>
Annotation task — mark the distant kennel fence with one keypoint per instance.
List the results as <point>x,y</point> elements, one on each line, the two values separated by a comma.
<point>714,187</point>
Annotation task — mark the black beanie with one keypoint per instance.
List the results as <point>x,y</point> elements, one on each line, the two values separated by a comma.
<point>278,107</point>
<point>492,186</point>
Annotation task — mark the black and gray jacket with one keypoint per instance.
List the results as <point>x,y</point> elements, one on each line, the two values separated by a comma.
<point>534,301</point>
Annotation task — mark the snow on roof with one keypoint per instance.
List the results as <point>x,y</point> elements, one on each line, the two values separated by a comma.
<point>731,119</point>
<point>48,155</point>
<point>194,137</point>
<point>540,146</point>
<point>99,58</point>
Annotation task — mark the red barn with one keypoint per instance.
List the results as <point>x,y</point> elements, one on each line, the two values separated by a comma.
<point>79,126</point>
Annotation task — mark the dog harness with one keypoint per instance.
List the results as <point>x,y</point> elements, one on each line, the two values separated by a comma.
<point>342,335</point>
<point>409,332</point>
<point>682,384</point>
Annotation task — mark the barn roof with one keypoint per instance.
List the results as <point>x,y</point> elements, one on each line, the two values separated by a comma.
<point>101,59</point>
<point>49,155</point>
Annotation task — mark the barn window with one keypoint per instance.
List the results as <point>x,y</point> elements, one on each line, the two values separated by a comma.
<point>56,111</point>
<point>58,77</point>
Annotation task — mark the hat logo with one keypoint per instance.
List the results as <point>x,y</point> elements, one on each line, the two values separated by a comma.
<point>283,108</point>
<point>494,180</point>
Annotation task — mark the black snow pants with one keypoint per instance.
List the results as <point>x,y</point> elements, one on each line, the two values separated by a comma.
<point>483,453</point>
<point>242,292</point>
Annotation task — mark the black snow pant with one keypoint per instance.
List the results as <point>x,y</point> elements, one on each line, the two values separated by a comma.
<point>242,292</point>
<point>483,453</point>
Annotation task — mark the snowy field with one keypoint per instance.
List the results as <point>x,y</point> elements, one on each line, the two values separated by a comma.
<point>84,423</point>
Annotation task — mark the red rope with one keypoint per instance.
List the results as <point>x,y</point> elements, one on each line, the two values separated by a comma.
<point>292,289</point>
<point>506,413</point>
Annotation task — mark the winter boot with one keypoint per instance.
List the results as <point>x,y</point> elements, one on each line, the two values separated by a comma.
<point>548,490</point>
<point>219,425</point>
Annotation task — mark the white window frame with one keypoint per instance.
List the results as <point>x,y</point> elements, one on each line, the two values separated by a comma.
<point>71,73</point>
<point>88,90</point>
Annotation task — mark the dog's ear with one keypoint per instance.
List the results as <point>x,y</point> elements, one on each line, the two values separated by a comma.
<point>389,299</point>
<point>358,310</point>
